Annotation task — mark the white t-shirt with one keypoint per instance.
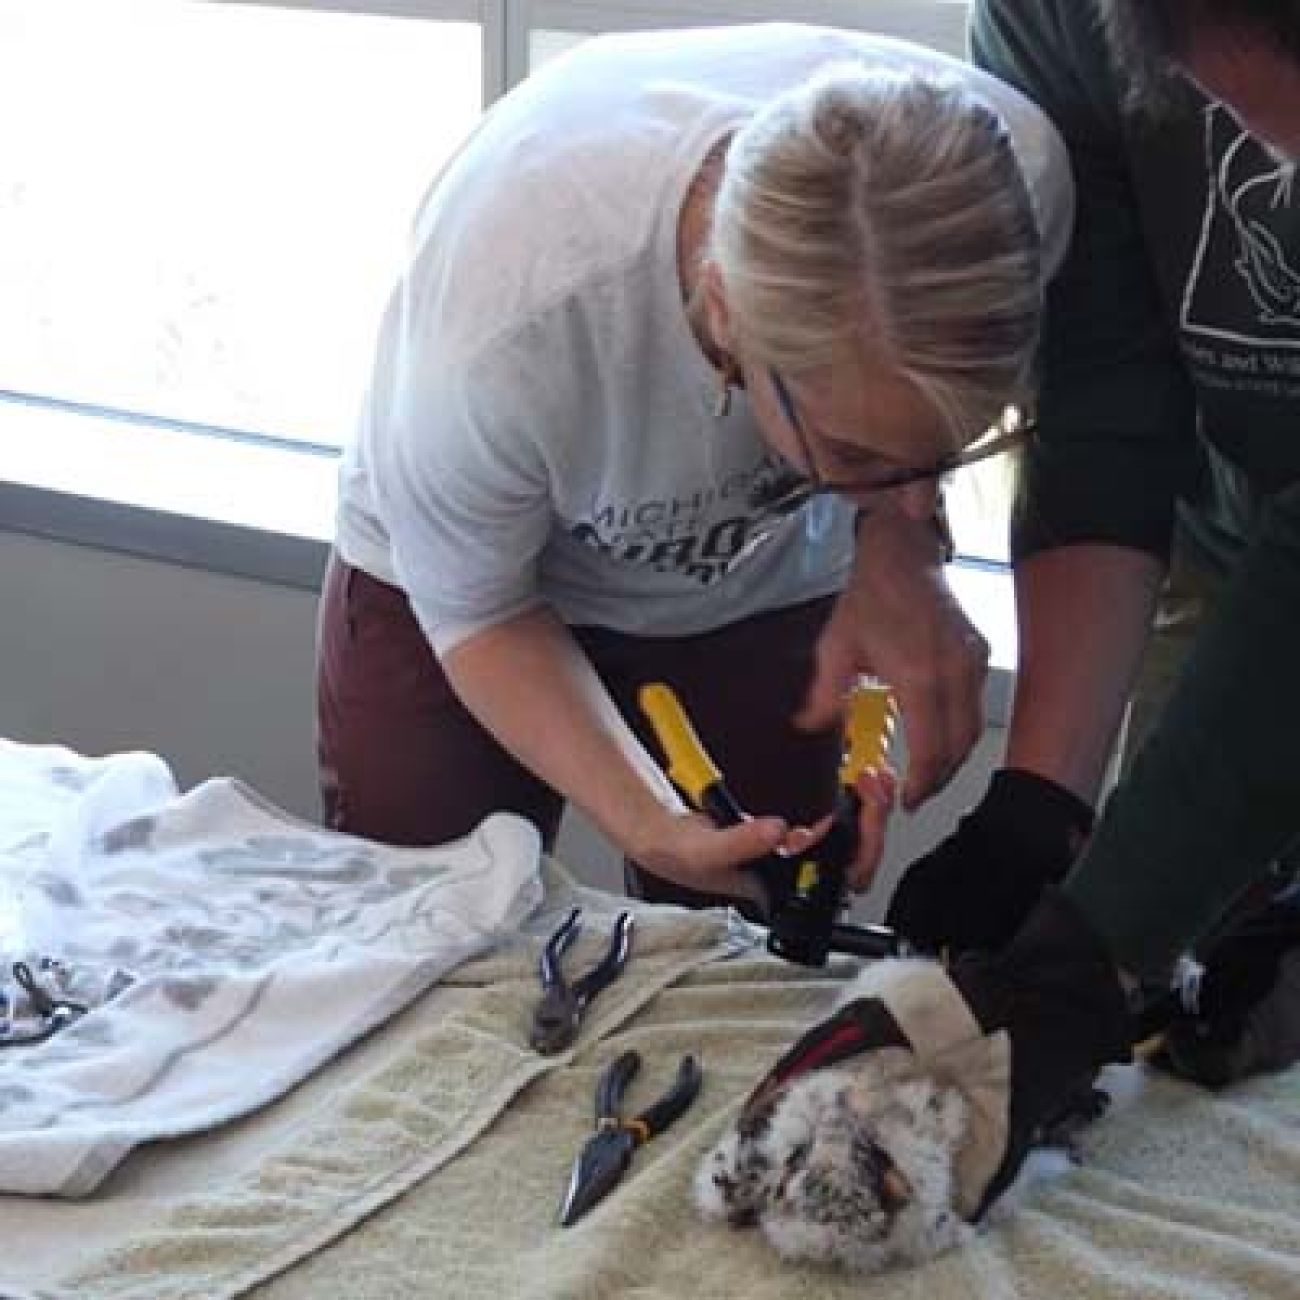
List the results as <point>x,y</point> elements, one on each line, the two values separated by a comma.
<point>539,426</point>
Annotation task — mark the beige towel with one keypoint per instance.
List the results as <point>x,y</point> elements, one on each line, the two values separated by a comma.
<point>1185,1197</point>
<point>210,1217</point>
<point>432,1163</point>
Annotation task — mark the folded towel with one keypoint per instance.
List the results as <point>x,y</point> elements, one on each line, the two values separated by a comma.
<point>255,947</point>
<point>431,1159</point>
<point>208,1218</point>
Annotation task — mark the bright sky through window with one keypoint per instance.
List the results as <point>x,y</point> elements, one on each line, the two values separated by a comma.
<point>202,205</point>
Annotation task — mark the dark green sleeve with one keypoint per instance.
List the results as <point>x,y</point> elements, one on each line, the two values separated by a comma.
<point>1214,795</point>
<point>1115,406</point>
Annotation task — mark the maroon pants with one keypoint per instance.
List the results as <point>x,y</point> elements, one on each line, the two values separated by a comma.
<point>404,762</point>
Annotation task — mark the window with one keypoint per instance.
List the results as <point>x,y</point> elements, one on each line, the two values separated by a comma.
<point>203,205</point>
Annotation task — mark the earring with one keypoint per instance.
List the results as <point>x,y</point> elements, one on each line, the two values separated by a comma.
<point>728,374</point>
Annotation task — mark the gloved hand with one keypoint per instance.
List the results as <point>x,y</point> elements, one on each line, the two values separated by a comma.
<point>973,890</point>
<point>1239,1011</point>
<point>1020,1033</point>
<point>1056,991</point>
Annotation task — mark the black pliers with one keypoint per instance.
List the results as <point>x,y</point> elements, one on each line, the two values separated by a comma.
<point>608,1152</point>
<point>556,1019</point>
<point>50,1011</point>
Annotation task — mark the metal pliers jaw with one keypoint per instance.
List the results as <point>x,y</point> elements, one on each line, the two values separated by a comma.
<point>558,1014</point>
<point>608,1152</point>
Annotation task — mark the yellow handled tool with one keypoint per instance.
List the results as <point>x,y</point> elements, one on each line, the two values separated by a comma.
<point>816,889</point>
<point>690,768</point>
<point>805,893</point>
<point>868,730</point>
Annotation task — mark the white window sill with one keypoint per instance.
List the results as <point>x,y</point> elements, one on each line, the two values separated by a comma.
<point>259,511</point>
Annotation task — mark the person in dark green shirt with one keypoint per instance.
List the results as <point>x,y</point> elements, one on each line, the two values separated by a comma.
<point>1169,417</point>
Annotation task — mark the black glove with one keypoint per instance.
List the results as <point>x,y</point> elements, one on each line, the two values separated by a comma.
<point>975,889</point>
<point>1054,991</point>
<point>1239,1014</point>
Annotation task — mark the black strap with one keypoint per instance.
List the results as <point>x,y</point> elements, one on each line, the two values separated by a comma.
<point>862,1025</point>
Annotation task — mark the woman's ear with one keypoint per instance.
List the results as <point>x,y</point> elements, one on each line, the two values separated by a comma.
<point>716,314</point>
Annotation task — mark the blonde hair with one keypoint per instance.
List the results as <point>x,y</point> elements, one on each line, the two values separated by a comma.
<point>886,210</point>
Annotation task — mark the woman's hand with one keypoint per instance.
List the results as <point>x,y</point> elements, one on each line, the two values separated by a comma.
<point>898,620</point>
<point>527,681</point>
<point>877,788</point>
<point>690,850</point>
<point>877,791</point>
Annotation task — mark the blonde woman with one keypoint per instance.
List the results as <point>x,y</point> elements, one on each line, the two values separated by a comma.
<point>692,327</point>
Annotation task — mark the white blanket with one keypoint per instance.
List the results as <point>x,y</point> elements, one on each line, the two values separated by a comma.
<point>256,948</point>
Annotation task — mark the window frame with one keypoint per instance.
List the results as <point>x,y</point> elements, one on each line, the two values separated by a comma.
<point>493,15</point>
<point>937,22</point>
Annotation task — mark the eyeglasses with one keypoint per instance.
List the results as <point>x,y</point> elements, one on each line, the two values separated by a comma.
<point>790,491</point>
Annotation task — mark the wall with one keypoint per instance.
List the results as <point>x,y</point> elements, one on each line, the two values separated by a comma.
<point>103,652</point>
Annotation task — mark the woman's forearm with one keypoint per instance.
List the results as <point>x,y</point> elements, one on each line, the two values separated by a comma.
<point>529,683</point>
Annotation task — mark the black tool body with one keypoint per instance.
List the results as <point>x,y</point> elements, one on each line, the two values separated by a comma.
<point>608,1152</point>
<point>805,892</point>
<point>558,1013</point>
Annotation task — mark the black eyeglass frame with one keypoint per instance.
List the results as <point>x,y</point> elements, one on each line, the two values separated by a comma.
<point>814,485</point>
